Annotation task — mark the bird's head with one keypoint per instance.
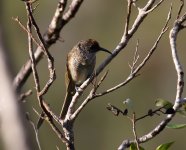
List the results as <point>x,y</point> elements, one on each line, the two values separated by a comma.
<point>91,46</point>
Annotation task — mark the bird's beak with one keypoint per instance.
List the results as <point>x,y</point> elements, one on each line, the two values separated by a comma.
<point>105,50</point>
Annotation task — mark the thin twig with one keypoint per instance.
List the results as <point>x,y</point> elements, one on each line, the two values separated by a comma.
<point>155,6</point>
<point>134,130</point>
<point>89,97</point>
<point>124,41</point>
<point>50,37</point>
<point>42,104</point>
<point>38,114</point>
<point>151,113</point>
<point>128,17</point>
<point>24,95</point>
<point>141,65</point>
<point>135,58</point>
<point>28,32</point>
<point>57,147</point>
<point>100,81</point>
<point>36,77</point>
<point>50,64</point>
<point>180,86</point>
<point>46,52</point>
<point>31,53</point>
<point>35,130</point>
<point>180,8</point>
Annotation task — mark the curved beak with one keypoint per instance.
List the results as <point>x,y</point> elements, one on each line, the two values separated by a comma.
<point>105,50</point>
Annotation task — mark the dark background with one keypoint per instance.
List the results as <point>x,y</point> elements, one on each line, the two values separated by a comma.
<point>96,128</point>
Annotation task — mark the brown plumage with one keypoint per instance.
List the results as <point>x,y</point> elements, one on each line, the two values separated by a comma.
<point>80,65</point>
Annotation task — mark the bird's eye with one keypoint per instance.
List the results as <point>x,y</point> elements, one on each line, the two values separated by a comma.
<point>95,46</point>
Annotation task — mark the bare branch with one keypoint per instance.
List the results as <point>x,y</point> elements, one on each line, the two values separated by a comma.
<point>50,37</point>
<point>134,130</point>
<point>180,73</point>
<point>101,80</point>
<point>180,9</point>
<point>128,16</point>
<point>24,95</point>
<point>73,8</point>
<point>124,41</point>
<point>25,29</point>
<point>31,53</point>
<point>46,52</point>
<point>135,59</point>
<point>155,6</point>
<point>35,130</point>
<point>42,104</point>
<point>89,97</point>
<point>180,85</point>
<point>59,20</point>
<point>141,65</point>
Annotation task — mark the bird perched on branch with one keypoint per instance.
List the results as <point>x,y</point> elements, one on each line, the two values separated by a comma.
<point>80,65</point>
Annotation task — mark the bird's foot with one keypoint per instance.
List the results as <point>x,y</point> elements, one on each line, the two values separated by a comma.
<point>78,89</point>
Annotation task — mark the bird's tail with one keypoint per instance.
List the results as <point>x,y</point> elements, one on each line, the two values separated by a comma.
<point>70,90</point>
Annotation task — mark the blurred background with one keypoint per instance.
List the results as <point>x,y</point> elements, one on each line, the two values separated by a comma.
<point>96,127</point>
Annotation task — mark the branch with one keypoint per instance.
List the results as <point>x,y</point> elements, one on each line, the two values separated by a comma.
<point>135,58</point>
<point>28,32</point>
<point>128,16</point>
<point>180,9</point>
<point>42,104</point>
<point>59,20</point>
<point>35,130</point>
<point>24,95</point>
<point>180,73</point>
<point>180,85</point>
<point>122,44</point>
<point>135,71</point>
<point>89,97</point>
<point>45,51</point>
<point>134,131</point>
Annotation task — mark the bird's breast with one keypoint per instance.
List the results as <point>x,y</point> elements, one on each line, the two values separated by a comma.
<point>81,68</point>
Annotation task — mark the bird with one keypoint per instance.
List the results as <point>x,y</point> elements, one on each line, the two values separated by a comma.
<point>80,64</point>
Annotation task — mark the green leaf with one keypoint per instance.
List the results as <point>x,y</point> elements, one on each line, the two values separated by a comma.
<point>133,147</point>
<point>182,113</point>
<point>164,146</point>
<point>176,126</point>
<point>161,103</point>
